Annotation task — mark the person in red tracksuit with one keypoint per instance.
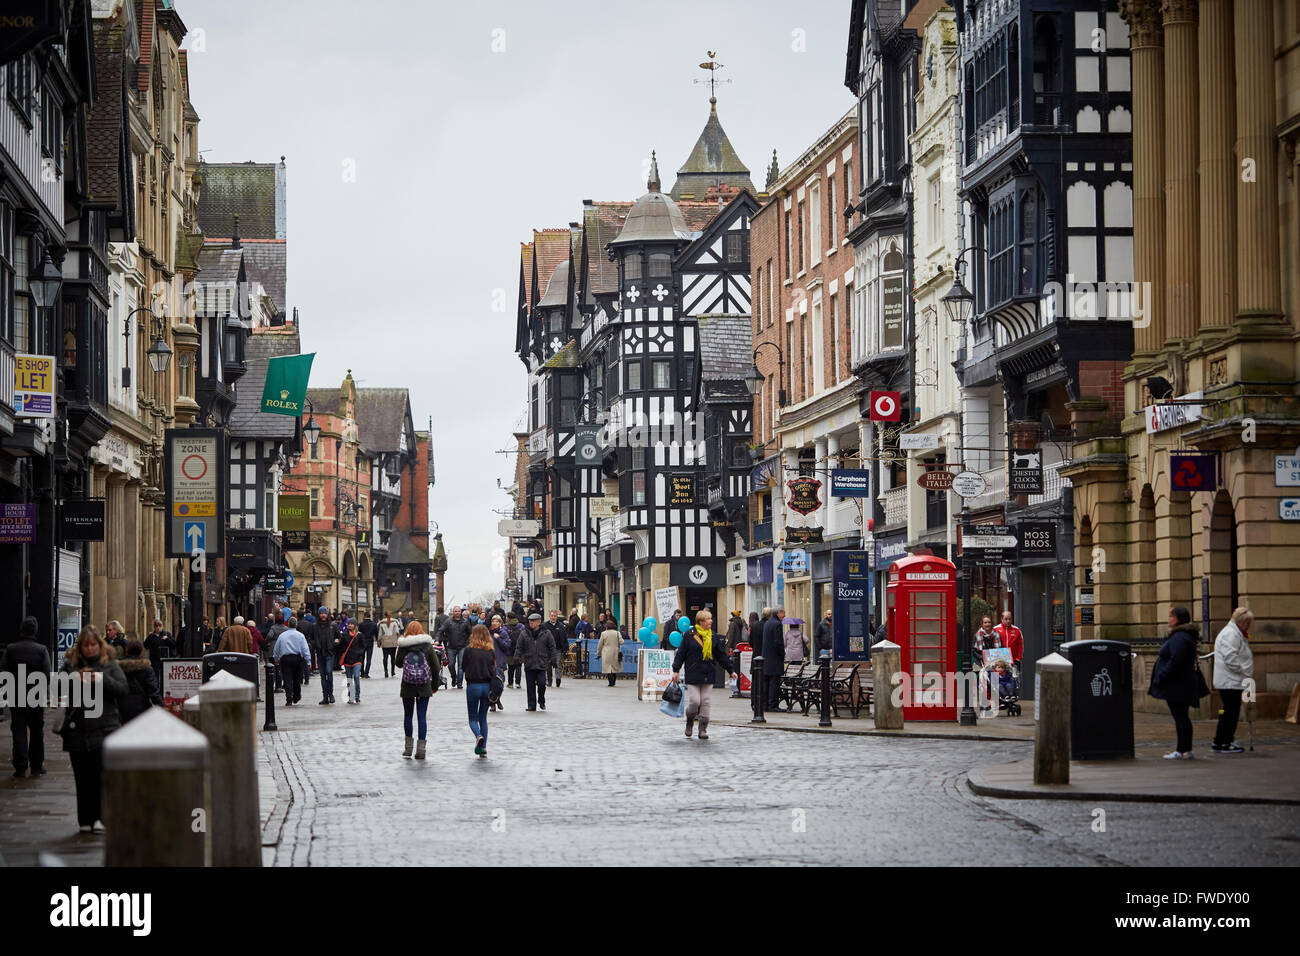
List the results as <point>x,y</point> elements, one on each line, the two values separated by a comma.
<point>1011,637</point>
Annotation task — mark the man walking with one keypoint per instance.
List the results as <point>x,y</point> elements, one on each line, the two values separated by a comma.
<point>325,637</point>
<point>824,636</point>
<point>27,723</point>
<point>454,635</point>
<point>670,626</point>
<point>560,635</point>
<point>114,634</point>
<point>773,655</point>
<point>536,647</point>
<point>291,653</point>
<point>369,630</point>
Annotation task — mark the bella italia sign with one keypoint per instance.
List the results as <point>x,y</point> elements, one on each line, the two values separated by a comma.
<point>286,384</point>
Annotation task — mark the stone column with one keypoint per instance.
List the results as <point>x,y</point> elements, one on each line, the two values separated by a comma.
<point>1217,121</point>
<point>1259,289</point>
<point>832,452</point>
<point>1182,246</point>
<point>1052,720</point>
<point>1146,43</point>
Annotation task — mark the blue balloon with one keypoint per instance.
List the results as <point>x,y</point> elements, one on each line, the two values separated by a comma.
<point>675,638</point>
<point>650,642</point>
<point>650,623</point>
<point>644,635</point>
<point>683,624</point>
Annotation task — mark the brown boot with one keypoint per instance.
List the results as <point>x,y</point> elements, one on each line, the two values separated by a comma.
<point>704,730</point>
<point>690,725</point>
<point>419,750</point>
<point>410,743</point>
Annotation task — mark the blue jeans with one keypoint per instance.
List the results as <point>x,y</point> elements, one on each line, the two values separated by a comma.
<point>354,681</point>
<point>326,678</point>
<point>454,665</point>
<point>421,707</point>
<point>476,700</point>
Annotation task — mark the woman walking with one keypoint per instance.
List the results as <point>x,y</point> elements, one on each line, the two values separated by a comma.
<point>515,662</point>
<point>610,650</point>
<point>420,666</point>
<point>1174,678</point>
<point>696,653</point>
<point>389,633</point>
<point>354,653</point>
<point>142,684</point>
<point>502,645</point>
<point>91,659</point>
<point>1234,665</point>
<point>480,668</point>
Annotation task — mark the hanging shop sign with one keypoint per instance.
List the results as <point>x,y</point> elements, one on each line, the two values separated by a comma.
<point>83,520</point>
<point>850,483</point>
<point>937,479</point>
<point>885,406</point>
<point>195,481</point>
<point>1037,540</point>
<point>893,300</point>
<point>1192,472</point>
<point>33,386</point>
<point>1162,417</point>
<point>969,484</point>
<point>1025,475</point>
<point>587,449</point>
<point>285,388</point>
<point>17,524</point>
<point>918,441</point>
<point>804,494</point>
<point>293,515</point>
<point>803,535</point>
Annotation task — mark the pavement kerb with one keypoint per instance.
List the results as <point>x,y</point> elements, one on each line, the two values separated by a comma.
<point>899,734</point>
<point>1053,791</point>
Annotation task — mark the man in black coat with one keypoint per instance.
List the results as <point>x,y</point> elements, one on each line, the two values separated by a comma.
<point>454,635</point>
<point>773,655</point>
<point>535,647</point>
<point>670,626</point>
<point>824,636</point>
<point>324,640</point>
<point>369,630</point>
<point>27,723</point>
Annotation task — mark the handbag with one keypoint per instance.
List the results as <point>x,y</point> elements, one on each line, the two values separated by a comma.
<point>672,693</point>
<point>1202,689</point>
<point>496,686</point>
<point>675,708</point>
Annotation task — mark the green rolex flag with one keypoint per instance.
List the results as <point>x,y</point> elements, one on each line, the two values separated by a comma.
<point>286,384</point>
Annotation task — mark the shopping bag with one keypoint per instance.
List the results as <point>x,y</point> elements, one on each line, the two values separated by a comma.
<point>673,709</point>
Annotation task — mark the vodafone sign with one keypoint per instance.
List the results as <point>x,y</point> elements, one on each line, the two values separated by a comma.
<point>886,406</point>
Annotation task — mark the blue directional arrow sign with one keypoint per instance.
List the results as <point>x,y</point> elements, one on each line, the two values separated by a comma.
<point>194,535</point>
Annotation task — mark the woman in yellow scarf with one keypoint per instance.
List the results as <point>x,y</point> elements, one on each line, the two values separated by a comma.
<point>697,654</point>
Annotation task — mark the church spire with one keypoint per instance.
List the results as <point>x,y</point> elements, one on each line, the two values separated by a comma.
<point>652,183</point>
<point>773,172</point>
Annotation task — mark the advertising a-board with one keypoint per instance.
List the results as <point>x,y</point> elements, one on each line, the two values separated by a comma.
<point>182,678</point>
<point>654,673</point>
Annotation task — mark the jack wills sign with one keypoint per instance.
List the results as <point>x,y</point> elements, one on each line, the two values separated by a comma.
<point>294,519</point>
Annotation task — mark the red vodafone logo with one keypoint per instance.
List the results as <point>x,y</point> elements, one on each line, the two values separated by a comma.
<point>886,406</point>
<point>194,467</point>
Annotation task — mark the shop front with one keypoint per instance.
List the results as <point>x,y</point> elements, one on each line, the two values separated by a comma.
<point>886,550</point>
<point>759,580</point>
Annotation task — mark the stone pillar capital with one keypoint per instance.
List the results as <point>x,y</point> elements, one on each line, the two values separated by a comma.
<point>1179,11</point>
<point>1145,26</point>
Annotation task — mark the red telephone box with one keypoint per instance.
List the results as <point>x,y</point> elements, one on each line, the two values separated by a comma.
<point>921,601</point>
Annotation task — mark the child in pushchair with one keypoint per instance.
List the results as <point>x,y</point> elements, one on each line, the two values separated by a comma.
<point>1008,688</point>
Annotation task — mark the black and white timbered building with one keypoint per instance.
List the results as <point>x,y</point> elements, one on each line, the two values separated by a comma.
<point>624,460</point>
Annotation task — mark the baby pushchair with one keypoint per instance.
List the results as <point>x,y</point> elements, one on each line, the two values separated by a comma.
<point>1008,690</point>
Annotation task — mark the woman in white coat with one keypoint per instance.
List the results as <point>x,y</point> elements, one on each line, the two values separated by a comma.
<point>1234,666</point>
<point>610,649</point>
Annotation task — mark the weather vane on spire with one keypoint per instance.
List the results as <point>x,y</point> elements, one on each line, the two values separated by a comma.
<point>712,65</point>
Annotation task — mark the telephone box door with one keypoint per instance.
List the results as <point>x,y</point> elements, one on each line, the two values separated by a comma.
<point>923,618</point>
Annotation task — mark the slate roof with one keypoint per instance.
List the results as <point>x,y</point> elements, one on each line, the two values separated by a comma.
<point>106,122</point>
<point>604,221</point>
<point>324,400</point>
<point>246,190</point>
<point>381,416</point>
<point>566,357</point>
<point>712,161</point>
<point>248,420</point>
<point>726,352</point>
<point>219,264</point>
<point>402,550</point>
<point>551,246</point>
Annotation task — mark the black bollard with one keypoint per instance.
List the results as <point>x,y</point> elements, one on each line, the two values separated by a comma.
<point>826,690</point>
<point>270,697</point>
<point>756,689</point>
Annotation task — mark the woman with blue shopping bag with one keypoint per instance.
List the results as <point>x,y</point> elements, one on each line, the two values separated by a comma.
<point>697,652</point>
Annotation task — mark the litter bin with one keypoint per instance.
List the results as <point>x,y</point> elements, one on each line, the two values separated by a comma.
<point>1101,699</point>
<point>241,665</point>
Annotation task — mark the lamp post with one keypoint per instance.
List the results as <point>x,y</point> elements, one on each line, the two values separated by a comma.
<point>311,430</point>
<point>966,717</point>
<point>754,380</point>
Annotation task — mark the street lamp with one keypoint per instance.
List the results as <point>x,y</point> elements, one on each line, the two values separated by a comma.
<point>160,353</point>
<point>44,282</point>
<point>311,431</point>
<point>958,302</point>
<point>754,380</point>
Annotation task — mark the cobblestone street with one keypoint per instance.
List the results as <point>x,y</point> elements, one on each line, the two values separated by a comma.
<point>603,778</point>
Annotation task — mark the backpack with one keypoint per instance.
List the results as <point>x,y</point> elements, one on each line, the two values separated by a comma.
<point>415,667</point>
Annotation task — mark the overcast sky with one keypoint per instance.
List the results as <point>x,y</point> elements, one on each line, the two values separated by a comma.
<point>406,271</point>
